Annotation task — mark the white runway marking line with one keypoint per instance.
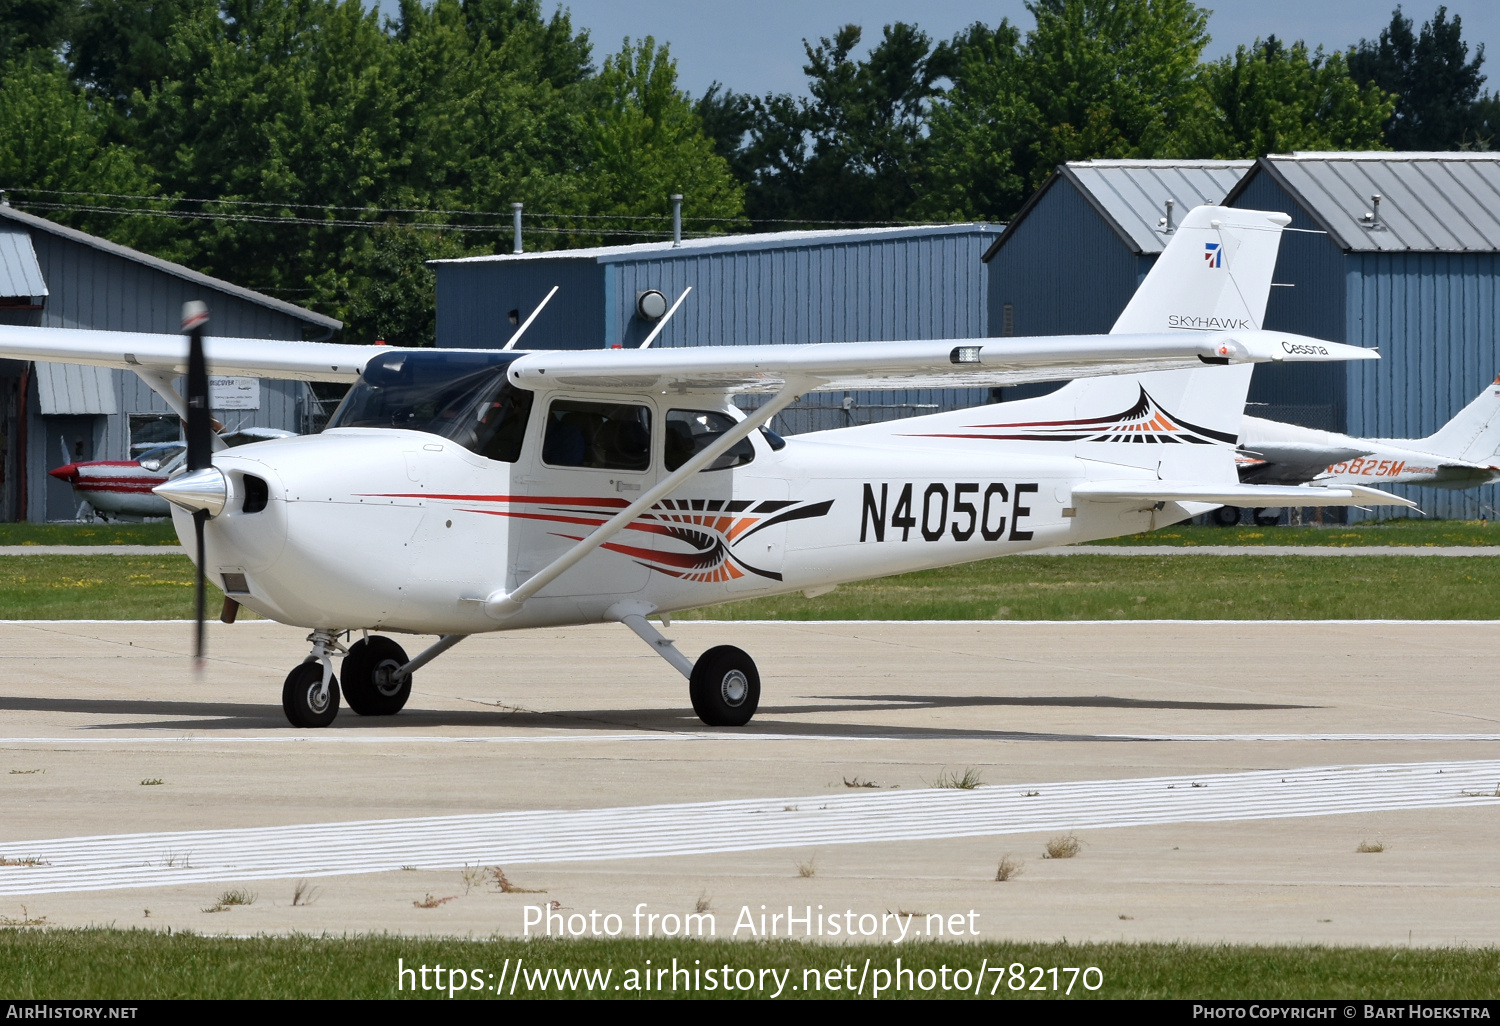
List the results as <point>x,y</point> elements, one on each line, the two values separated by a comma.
<point>509,838</point>
<point>375,738</point>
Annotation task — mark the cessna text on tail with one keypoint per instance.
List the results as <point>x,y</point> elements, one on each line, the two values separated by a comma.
<point>457,492</point>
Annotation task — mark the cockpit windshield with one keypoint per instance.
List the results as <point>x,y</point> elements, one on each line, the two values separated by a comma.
<point>463,396</point>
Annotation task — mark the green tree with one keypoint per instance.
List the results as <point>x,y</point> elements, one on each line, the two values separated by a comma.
<point>1435,81</point>
<point>34,28</point>
<point>1095,78</point>
<point>53,149</point>
<point>646,141</point>
<point>1274,98</point>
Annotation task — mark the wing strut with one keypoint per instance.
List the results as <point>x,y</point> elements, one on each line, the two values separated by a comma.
<point>501,604</point>
<point>522,329</point>
<point>161,382</point>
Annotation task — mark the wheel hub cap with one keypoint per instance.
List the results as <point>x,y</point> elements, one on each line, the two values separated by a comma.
<point>734,688</point>
<point>385,678</point>
<point>317,698</point>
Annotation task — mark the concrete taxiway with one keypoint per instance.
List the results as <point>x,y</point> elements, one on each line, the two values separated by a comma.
<point>1218,775</point>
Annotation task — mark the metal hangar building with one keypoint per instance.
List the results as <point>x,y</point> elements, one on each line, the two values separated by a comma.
<point>1399,251</point>
<point>51,414</point>
<point>780,288</point>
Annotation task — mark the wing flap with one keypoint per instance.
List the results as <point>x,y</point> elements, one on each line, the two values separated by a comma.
<point>1236,494</point>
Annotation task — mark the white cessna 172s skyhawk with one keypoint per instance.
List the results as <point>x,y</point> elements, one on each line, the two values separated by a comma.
<point>456,492</point>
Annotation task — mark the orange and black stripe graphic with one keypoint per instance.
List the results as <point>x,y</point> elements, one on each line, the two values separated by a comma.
<point>708,529</point>
<point>1145,422</point>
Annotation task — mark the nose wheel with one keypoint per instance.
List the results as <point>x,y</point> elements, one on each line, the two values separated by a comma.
<point>305,699</point>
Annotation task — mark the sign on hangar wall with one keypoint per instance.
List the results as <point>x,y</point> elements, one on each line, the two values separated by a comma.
<point>234,393</point>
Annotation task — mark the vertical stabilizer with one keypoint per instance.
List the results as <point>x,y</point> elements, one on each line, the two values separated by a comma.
<point>1213,275</point>
<point>1474,434</point>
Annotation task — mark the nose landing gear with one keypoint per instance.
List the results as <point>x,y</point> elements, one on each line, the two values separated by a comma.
<point>310,696</point>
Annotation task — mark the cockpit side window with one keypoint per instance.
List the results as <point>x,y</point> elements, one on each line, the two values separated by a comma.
<point>599,436</point>
<point>689,432</point>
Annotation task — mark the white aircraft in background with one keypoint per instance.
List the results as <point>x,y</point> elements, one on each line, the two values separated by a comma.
<point>1463,453</point>
<point>457,492</point>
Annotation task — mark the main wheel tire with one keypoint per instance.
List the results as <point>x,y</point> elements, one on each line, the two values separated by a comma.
<point>369,687</point>
<point>1226,516</point>
<point>725,687</point>
<point>299,696</point>
<point>1267,516</point>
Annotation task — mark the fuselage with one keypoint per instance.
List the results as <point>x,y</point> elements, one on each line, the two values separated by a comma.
<point>408,530</point>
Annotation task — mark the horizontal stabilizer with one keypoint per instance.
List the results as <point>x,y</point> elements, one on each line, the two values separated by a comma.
<point>1257,496</point>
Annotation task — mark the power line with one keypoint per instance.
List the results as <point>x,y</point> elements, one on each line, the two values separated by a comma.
<point>452,213</point>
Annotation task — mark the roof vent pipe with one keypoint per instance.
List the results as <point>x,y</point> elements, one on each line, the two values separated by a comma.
<point>676,199</point>
<point>1371,220</point>
<point>515,209</point>
<point>1166,224</point>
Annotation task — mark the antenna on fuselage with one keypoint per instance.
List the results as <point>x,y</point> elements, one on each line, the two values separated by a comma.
<point>522,329</point>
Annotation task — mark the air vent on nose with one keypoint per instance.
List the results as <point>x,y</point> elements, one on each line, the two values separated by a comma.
<point>257,494</point>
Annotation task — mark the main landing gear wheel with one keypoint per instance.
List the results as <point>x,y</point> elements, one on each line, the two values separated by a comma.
<point>302,699</point>
<point>725,687</point>
<point>1226,516</point>
<point>370,684</point>
<point>1268,516</point>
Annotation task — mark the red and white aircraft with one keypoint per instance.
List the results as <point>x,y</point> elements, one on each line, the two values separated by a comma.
<point>117,488</point>
<point>462,491</point>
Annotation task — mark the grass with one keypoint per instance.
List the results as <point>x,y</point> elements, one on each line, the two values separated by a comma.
<point>42,964</point>
<point>807,870</point>
<point>88,534</point>
<point>1064,847</point>
<point>1008,869</point>
<point>238,896</point>
<point>100,587</point>
<point>1370,847</point>
<point>304,893</point>
<point>152,781</point>
<point>1401,531</point>
<point>1082,587</point>
<point>1155,587</point>
<point>968,781</point>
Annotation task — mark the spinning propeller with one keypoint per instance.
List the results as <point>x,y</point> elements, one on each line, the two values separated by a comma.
<point>201,489</point>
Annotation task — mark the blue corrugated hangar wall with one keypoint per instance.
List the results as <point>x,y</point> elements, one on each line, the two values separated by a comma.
<point>783,288</point>
<point>90,282</point>
<point>1077,250</point>
<point>1418,280</point>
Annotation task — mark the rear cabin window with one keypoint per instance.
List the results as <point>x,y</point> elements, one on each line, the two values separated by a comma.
<point>597,436</point>
<point>689,432</point>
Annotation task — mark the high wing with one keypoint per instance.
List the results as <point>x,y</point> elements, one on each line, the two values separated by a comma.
<point>948,363</point>
<point>134,350</point>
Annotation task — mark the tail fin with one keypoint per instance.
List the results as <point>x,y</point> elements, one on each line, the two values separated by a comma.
<point>1474,434</point>
<point>1214,275</point>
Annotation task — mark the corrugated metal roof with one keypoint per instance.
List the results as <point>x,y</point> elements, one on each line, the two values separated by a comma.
<point>166,266</point>
<point>1131,195</point>
<point>733,243</point>
<point>1429,202</point>
<point>20,274</point>
<point>67,388</point>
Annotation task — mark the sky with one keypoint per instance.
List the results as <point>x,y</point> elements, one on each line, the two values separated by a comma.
<point>756,47</point>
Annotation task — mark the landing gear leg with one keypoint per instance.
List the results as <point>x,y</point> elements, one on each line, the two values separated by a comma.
<point>724,684</point>
<point>310,696</point>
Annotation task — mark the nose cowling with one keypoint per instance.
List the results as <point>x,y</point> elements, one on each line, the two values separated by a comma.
<point>206,489</point>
